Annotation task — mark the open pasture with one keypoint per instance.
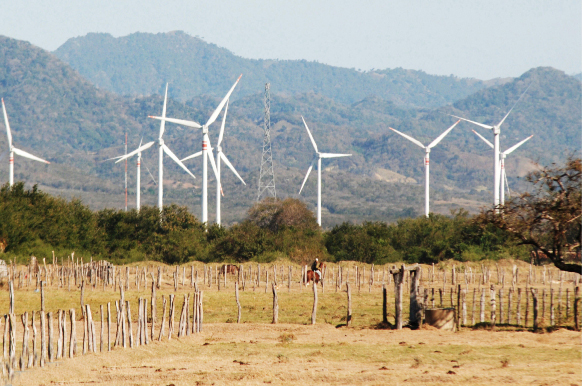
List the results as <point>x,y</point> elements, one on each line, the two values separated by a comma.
<point>293,351</point>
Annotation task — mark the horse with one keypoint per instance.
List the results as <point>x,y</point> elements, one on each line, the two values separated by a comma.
<point>311,275</point>
<point>229,268</point>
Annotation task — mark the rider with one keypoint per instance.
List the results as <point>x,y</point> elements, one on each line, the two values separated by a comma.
<point>315,267</point>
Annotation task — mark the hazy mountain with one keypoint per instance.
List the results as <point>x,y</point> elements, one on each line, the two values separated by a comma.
<point>141,63</point>
<point>58,115</point>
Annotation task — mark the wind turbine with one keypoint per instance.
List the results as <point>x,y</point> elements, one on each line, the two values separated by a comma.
<point>427,160</point>
<point>496,131</point>
<point>13,150</point>
<point>138,190</point>
<point>206,149</point>
<point>161,149</point>
<point>504,154</point>
<point>318,156</point>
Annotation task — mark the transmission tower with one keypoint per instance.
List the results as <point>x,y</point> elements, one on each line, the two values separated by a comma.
<point>267,175</point>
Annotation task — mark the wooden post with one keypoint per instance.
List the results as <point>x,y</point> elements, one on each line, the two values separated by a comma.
<point>163,317</point>
<point>101,330</point>
<point>509,303</point>
<point>60,339</point>
<point>384,305</point>
<point>237,302</point>
<point>349,315</point>
<point>458,307</point>
<point>108,326</point>
<point>473,306</point>
<point>314,311</point>
<point>201,311</point>
<point>145,337</point>
<point>500,306</point>
<point>12,341</point>
<point>518,309</point>
<point>91,325</point>
<point>577,308</point>
<point>463,304</point>
<point>171,318</point>
<point>398,292</point>
<point>492,297</point>
<point>42,337</point>
<point>24,356</point>
<point>275,304</point>
<point>415,309</point>
<point>153,309</point>
<point>34,354</point>
<point>535,308</point>
<point>73,338</point>
<point>129,326</point>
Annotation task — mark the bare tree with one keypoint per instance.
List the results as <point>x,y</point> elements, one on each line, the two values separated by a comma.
<point>550,217</point>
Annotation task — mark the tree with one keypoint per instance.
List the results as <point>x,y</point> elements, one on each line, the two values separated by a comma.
<point>548,218</point>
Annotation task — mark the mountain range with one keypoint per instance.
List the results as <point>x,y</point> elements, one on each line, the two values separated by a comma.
<point>74,112</point>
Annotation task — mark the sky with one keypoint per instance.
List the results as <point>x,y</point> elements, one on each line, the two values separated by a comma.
<point>479,39</point>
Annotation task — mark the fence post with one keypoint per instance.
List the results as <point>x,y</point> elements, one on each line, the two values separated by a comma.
<point>492,297</point>
<point>577,308</point>
<point>275,304</point>
<point>535,308</point>
<point>108,326</point>
<point>314,311</point>
<point>398,292</point>
<point>349,315</point>
<point>73,338</point>
<point>163,317</point>
<point>384,305</point>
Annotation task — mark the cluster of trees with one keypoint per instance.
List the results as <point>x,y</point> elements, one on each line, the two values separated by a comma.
<point>34,223</point>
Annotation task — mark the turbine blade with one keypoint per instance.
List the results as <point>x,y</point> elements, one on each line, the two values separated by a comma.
<point>227,162</point>
<point>222,127</point>
<point>210,155</point>
<point>310,136</point>
<point>148,169</point>
<point>517,145</point>
<point>7,125</point>
<point>408,138</point>
<point>221,105</point>
<point>176,160</point>
<point>333,155</point>
<point>139,149</point>
<point>110,159</point>
<point>483,138</point>
<point>178,121</point>
<point>307,175</point>
<point>198,154</point>
<point>473,122</point>
<point>140,141</point>
<point>440,137</point>
<point>518,99</point>
<point>506,183</point>
<point>163,123</point>
<point>24,154</point>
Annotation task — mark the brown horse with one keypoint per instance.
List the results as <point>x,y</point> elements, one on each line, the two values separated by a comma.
<point>311,275</point>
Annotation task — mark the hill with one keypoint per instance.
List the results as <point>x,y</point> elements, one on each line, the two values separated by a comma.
<point>141,64</point>
<point>57,114</point>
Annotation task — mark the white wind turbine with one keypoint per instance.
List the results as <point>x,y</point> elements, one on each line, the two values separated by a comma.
<point>427,160</point>
<point>138,190</point>
<point>206,149</point>
<point>503,154</point>
<point>496,131</point>
<point>13,150</point>
<point>318,156</point>
<point>161,149</point>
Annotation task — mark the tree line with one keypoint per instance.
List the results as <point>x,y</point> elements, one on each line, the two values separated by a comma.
<point>33,222</point>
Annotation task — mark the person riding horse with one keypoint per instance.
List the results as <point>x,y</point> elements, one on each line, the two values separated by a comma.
<point>315,267</point>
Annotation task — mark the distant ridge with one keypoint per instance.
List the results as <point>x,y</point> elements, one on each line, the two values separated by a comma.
<point>141,63</point>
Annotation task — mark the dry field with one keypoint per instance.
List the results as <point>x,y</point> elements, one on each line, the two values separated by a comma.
<point>285,354</point>
<point>294,352</point>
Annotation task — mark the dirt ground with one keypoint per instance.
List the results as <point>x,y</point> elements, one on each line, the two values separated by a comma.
<point>291,354</point>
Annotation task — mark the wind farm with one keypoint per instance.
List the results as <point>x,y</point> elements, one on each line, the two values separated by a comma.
<point>381,269</point>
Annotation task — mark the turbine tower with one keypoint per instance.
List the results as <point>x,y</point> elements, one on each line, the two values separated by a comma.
<point>317,157</point>
<point>206,149</point>
<point>496,131</point>
<point>13,150</point>
<point>427,160</point>
<point>161,149</point>
<point>267,173</point>
<point>504,154</point>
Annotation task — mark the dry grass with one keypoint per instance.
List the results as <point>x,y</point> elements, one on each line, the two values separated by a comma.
<point>250,354</point>
<point>293,352</point>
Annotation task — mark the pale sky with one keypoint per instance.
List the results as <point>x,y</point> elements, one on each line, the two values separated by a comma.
<point>481,39</point>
